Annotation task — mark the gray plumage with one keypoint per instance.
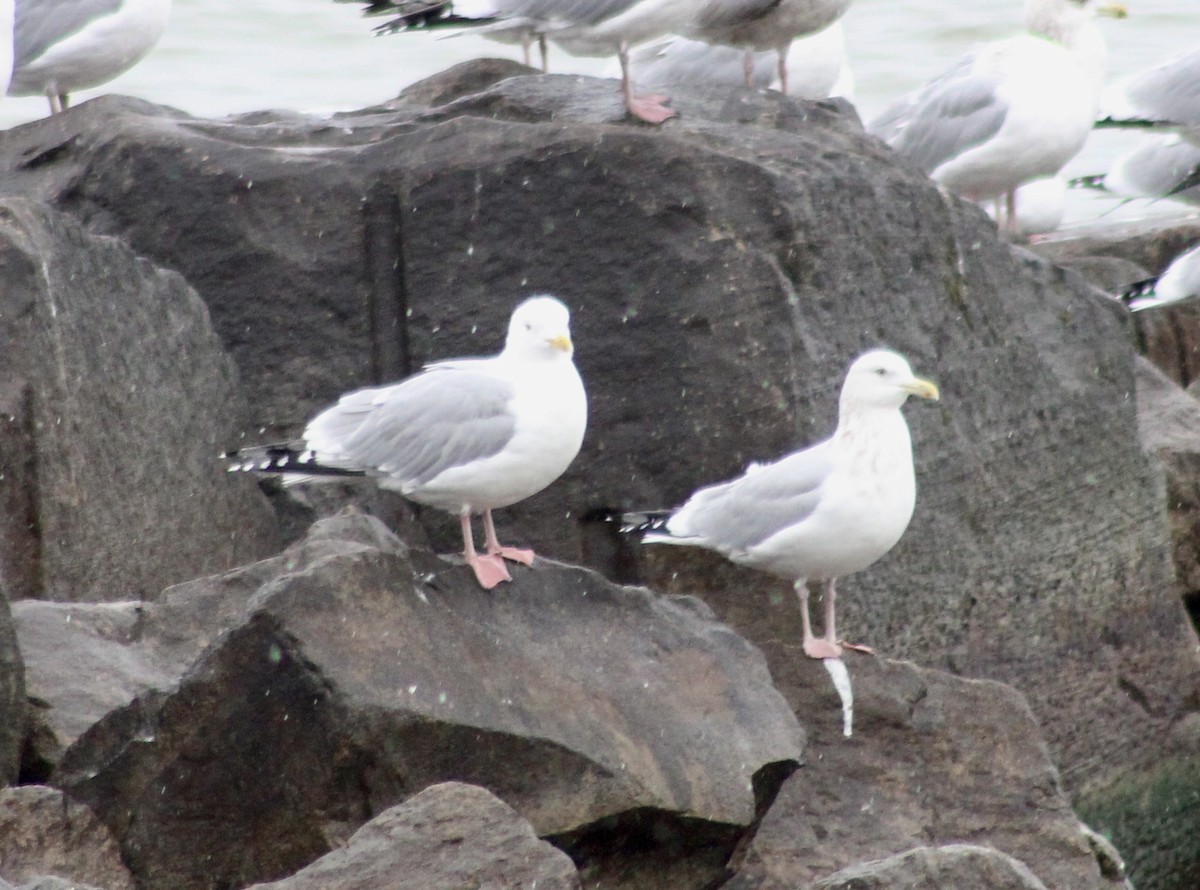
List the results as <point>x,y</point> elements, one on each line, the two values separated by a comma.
<point>39,24</point>
<point>1169,92</point>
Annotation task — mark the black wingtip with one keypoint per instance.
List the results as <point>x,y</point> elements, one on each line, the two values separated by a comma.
<point>281,460</point>
<point>1095,181</point>
<point>1139,295</point>
<point>636,522</point>
<point>1133,123</point>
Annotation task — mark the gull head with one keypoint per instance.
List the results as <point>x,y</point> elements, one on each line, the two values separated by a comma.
<point>1067,21</point>
<point>882,379</point>
<point>541,326</point>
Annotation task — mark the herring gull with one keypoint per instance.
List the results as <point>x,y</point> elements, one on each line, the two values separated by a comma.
<point>762,25</point>
<point>464,435</point>
<point>61,47</point>
<point>816,65</point>
<point>1163,167</point>
<point>1178,281</point>
<point>821,513</point>
<point>581,27</point>
<point>1166,95</point>
<point>1009,111</point>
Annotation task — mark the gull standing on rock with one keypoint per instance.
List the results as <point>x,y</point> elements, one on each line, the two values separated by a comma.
<point>759,25</point>
<point>465,435</point>
<point>60,46</point>
<point>581,27</point>
<point>818,514</point>
<point>1010,111</point>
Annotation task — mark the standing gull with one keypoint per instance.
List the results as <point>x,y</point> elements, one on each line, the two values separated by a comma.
<point>582,28</point>
<point>60,47</point>
<point>466,435</point>
<point>1010,111</point>
<point>816,65</point>
<point>821,513</point>
<point>759,25</point>
<point>1167,95</point>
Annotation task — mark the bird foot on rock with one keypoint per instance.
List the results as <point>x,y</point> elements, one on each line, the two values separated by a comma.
<point>516,554</point>
<point>816,648</point>
<point>489,570</point>
<point>650,108</point>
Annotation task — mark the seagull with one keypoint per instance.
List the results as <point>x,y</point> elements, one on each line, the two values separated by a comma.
<point>581,27</point>
<point>1180,280</point>
<point>465,435</point>
<point>759,25</point>
<point>816,65</point>
<point>60,47</point>
<point>1039,206</point>
<point>1163,167</point>
<point>821,513</point>
<point>1165,96</point>
<point>1009,111</point>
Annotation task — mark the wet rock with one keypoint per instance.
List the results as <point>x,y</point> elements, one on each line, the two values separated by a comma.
<point>449,835</point>
<point>934,760</point>
<point>358,672</point>
<point>13,707</point>
<point>117,399</point>
<point>961,866</point>
<point>46,837</point>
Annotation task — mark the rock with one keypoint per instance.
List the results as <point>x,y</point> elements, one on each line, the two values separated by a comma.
<point>449,835</point>
<point>354,671</point>
<point>118,399</point>
<point>934,760</point>
<point>723,270</point>
<point>961,866</point>
<point>42,833</point>
<point>13,708</point>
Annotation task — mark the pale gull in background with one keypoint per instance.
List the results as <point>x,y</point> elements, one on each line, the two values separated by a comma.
<point>1179,281</point>
<point>821,513</point>
<point>60,46</point>
<point>1164,166</point>
<point>466,435</point>
<point>817,66</point>
<point>1010,111</point>
<point>1167,94</point>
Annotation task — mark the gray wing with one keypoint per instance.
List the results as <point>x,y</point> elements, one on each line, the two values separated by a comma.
<point>560,12</point>
<point>1170,92</point>
<point>449,415</point>
<point>740,514</point>
<point>952,114</point>
<point>721,14</point>
<point>39,23</point>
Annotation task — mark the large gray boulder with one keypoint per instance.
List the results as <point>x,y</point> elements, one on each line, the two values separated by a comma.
<point>353,671</point>
<point>13,710</point>
<point>723,270</point>
<point>449,835</point>
<point>117,400</point>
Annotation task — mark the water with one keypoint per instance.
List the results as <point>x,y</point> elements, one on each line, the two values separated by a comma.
<point>220,57</point>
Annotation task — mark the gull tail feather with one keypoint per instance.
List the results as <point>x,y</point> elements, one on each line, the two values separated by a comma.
<point>295,464</point>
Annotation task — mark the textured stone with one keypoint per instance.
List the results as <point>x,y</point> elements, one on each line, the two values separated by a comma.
<point>118,398</point>
<point>43,834</point>
<point>960,866</point>
<point>449,835</point>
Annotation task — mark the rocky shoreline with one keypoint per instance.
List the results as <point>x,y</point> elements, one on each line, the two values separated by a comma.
<point>204,684</point>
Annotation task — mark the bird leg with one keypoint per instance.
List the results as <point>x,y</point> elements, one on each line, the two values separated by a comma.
<point>783,70</point>
<point>489,569</point>
<point>647,108</point>
<point>827,647</point>
<point>495,548</point>
<point>1010,216</point>
<point>748,66</point>
<point>545,50</point>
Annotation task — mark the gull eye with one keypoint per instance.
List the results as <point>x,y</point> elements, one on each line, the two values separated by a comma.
<point>881,372</point>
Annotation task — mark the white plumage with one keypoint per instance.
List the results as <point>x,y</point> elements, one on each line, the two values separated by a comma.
<point>466,436</point>
<point>824,512</point>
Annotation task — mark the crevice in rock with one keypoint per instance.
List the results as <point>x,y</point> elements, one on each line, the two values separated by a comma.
<point>1191,602</point>
<point>388,309</point>
<point>649,849</point>
<point>20,526</point>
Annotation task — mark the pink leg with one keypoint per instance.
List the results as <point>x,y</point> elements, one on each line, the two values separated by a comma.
<point>748,66</point>
<point>1011,216</point>
<point>814,648</point>
<point>545,50</point>
<point>783,70</point>
<point>647,108</point>
<point>489,570</point>
<point>830,629</point>
<point>495,548</point>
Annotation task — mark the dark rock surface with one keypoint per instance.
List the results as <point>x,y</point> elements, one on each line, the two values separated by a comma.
<point>44,835</point>
<point>961,866</point>
<point>117,398</point>
<point>723,270</point>
<point>352,672</point>
<point>449,835</point>
<point>13,708</point>
<point>934,760</point>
